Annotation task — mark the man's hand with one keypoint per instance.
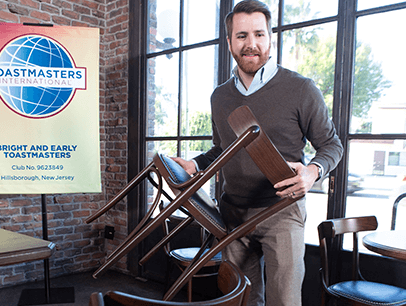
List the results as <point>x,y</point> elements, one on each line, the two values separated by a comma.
<point>188,165</point>
<point>301,183</point>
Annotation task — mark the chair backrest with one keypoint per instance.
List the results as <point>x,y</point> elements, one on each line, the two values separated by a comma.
<point>395,210</point>
<point>234,285</point>
<point>263,152</point>
<point>331,228</point>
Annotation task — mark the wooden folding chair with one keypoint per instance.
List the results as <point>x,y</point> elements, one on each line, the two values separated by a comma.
<point>181,257</point>
<point>197,205</point>
<point>355,291</point>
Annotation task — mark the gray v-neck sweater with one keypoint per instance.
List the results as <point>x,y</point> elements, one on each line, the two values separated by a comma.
<point>290,109</point>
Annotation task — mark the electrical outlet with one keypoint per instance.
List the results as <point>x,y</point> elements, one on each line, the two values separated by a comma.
<point>109,232</point>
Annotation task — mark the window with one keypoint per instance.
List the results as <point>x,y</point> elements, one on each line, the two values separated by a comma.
<point>182,68</point>
<point>340,44</point>
<point>308,35</point>
<point>377,130</point>
<point>393,159</point>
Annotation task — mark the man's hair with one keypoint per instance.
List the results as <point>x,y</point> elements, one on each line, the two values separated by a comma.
<point>248,7</point>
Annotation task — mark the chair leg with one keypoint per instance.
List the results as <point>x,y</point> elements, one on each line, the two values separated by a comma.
<point>238,232</point>
<point>126,247</point>
<point>169,269</point>
<point>189,290</point>
<point>131,185</point>
<point>323,298</point>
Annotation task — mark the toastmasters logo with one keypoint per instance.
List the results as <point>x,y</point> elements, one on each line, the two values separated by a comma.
<point>38,77</point>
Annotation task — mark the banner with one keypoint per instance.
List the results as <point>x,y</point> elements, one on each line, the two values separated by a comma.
<point>49,109</point>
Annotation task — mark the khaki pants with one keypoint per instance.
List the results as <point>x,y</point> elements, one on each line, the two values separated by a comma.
<point>272,256</point>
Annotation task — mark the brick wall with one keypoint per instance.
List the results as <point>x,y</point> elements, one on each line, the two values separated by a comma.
<point>80,246</point>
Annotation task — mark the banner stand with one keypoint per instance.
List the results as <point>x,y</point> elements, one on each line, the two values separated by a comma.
<point>47,295</point>
<point>52,77</point>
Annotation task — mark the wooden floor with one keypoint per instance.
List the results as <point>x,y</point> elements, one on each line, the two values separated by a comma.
<point>84,284</point>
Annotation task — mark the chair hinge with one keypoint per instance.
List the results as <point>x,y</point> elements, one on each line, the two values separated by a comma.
<point>332,178</point>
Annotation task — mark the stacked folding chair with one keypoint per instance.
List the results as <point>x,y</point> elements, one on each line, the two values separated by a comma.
<point>192,200</point>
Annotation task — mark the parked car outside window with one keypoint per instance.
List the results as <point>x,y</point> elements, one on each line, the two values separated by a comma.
<point>355,181</point>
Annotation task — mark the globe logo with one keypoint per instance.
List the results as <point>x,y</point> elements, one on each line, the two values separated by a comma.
<point>38,77</point>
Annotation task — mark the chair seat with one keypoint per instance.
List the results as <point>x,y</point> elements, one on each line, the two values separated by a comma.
<point>187,254</point>
<point>374,293</point>
<point>200,199</point>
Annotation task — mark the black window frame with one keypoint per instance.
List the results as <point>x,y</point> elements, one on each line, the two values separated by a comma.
<point>343,86</point>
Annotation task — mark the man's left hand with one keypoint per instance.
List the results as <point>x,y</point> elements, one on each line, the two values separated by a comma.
<point>299,185</point>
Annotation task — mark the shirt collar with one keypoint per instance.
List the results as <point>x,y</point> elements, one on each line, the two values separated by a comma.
<point>261,77</point>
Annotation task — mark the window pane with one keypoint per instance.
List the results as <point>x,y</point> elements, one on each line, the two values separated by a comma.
<point>311,51</point>
<point>299,11</point>
<point>162,103</point>
<point>382,181</point>
<point>193,148</point>
<point>163,25</point>
<point>162,147</point>
<point>201,21</point>
<point>366,4</point>
<point>379,105</point>
<point>316,206</point>
<point>199,80</point>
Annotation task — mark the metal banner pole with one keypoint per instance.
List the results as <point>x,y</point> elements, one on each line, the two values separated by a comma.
<point>46,295</point>
<point>45,237</point>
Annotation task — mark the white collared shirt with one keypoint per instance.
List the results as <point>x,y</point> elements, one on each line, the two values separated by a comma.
<point>261,77</point>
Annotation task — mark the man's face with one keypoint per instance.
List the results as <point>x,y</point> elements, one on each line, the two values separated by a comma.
<point>250,41</point>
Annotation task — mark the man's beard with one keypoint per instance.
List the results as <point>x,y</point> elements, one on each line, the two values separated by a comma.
<point>248,66</point>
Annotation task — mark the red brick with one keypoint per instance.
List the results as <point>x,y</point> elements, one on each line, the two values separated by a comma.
<point>50,9</point>
<point>91,4</point>
<point>16,9</point>
<point>21,218</point>
<point>79,24</point>
<point>13,279</point>
<point>13,228</point>
<point>32,226</point>
<point>63,199</point>
<point>8,212</point>
<point>71,14</point>
<point>79,214</point>
<point>40,15</point>
<point>61,20</point>
<point>81,244</point>
<point>29,3</point>
<point>90,20</point>
<point>21,202</point>
<point>6,16</point>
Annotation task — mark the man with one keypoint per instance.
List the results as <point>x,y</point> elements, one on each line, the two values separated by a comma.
<point>290,109</point>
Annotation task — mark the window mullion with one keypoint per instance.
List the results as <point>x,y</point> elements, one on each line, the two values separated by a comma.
<point>224,59</point>
<point>180,73</point>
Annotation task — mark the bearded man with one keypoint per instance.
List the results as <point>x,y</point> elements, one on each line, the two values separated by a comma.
<point>291,110</point>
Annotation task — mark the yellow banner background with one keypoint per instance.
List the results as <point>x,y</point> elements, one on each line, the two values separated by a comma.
<point>76,127</point>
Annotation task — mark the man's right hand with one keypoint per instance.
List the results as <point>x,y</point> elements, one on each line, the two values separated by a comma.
<point>188,165</point>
